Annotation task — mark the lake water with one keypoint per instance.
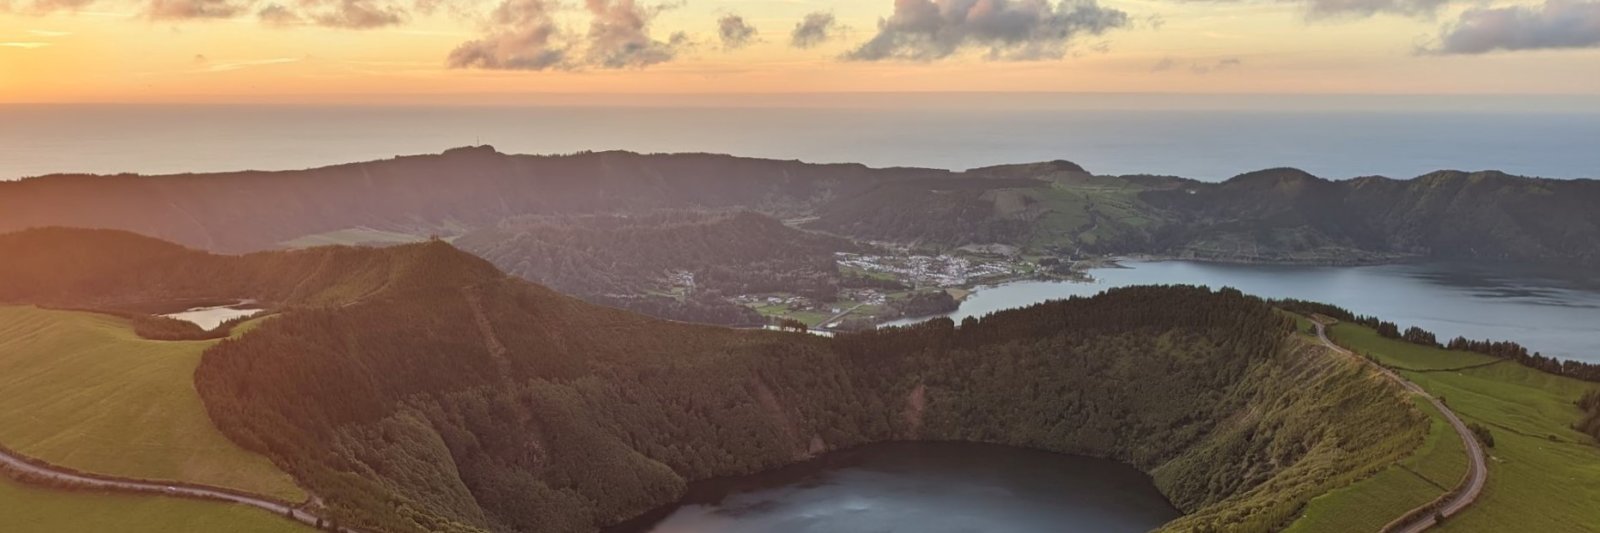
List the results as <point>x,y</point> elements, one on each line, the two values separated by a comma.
<point>924,488</point>
<point>1118,136</point>
<point>1557,313</point>
<point>208,318</point>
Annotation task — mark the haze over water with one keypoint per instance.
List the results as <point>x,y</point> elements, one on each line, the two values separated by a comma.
<point>1200,143</point>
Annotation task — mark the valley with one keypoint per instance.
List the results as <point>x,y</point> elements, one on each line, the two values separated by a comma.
<point>545,347</point>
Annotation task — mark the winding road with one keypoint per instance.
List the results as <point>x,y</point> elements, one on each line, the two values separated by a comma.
<point>1478,469</point>
<point>30,470</point>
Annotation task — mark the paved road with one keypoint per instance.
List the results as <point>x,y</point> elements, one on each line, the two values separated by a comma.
<point>12,463</point>
<point>1478,469</point>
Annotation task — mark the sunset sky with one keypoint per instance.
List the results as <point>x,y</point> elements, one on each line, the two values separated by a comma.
<point>468,50</point>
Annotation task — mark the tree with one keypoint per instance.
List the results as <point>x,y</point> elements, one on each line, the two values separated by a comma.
<point>1483,434</point>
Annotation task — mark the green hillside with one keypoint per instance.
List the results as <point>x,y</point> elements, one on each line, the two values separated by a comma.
<point>1543,474</point>
<point>1372,503</point>
<point>83,391</point>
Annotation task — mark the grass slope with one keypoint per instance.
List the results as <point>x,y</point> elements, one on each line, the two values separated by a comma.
<point>29,509</point>
<point>80,390</point>
<point>1371,503</point>
<point>1543,475</point>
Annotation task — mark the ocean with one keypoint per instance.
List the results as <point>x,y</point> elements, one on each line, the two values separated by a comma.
<point>1208,144</point>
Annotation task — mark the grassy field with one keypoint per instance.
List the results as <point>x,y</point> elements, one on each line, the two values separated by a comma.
<point>1404,355</point>
<point>1543,475</point>
<point>80,390</point>
<point>28,509</point>
<point>1371,503</point>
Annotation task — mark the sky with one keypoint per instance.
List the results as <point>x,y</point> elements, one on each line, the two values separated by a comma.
<point>470,51</point>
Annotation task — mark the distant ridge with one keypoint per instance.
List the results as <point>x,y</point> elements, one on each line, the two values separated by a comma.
<point>1272,215</point>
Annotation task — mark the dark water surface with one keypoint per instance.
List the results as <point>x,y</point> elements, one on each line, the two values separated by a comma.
<point>1554,312</point>
<point>924,488</point>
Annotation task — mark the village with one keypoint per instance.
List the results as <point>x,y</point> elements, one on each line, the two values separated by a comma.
<point>890,287</point>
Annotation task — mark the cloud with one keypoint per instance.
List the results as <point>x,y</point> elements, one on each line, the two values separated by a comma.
<point>26,45</point>
<point>279,15</point>
<point>194,9</point>
<point>359,15</point>
<point>619,35</point>
<point>1197,67</point>
<point>735,32</point>
<point>345,14</point>
<point>1328,9</point>
<point>204,65</point>
<point>524,35</point>
<point>1353,9</point>
<point>39,7</point>
<point>1220,64</point>
<point>1013,30</point>
<point>813,30</point>
<point>1556,24</point>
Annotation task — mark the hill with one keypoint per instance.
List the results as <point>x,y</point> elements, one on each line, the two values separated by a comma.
<point>1053,208</point>
<point>422,195</point>
<point>455,398</point>
<point>1288,215</point>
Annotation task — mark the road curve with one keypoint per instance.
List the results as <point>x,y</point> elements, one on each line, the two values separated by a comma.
<point>29,470</point>
<point>1478,469</point>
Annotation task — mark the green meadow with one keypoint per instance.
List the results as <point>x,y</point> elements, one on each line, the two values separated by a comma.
<point>1543,475</point>
<point>80,390</point>
<point>29,509</point>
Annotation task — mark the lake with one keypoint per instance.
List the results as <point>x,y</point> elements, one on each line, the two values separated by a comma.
<point>208,318</point>
<point>1554,312</point>
<point>923,487</point>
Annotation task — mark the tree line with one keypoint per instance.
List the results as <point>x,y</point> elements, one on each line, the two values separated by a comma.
<point>1507,350</point>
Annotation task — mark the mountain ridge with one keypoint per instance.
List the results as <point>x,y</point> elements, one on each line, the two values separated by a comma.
<point>1053,208</point>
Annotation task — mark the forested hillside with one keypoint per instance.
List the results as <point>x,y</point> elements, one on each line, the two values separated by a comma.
<point>678,265</point>
<point>1288,215</point>
<point>1052,208</point>
<point>451,397</point>
<point>464,188</point>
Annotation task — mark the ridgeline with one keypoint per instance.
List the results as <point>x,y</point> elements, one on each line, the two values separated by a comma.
<point>1275,215</point>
